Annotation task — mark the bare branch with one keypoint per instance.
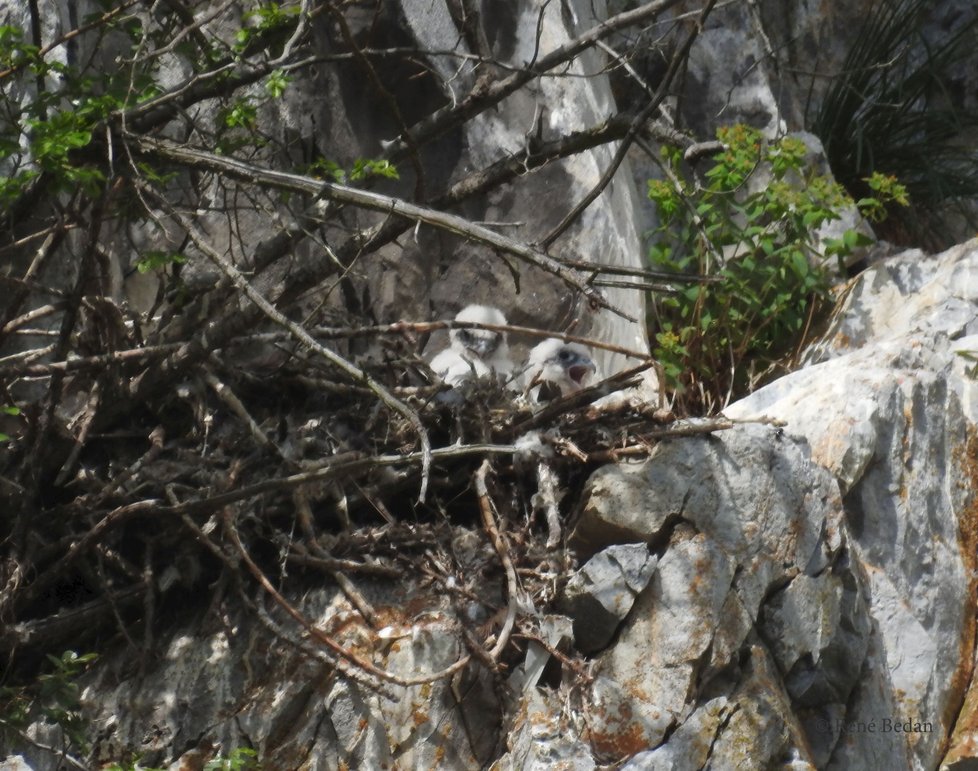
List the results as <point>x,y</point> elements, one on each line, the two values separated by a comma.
<point>678,58</point>
<point>320,635</point>
<point>300,334</point>
<point>105,18</point>
<point>512,588</point>
<point>490,94</point>
<point>297,183</point>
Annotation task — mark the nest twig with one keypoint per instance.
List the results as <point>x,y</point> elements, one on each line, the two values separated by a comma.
<point>323,477</point>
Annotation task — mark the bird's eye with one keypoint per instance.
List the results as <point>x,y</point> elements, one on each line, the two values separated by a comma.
<point>464,335</point>
<point>564,355</point>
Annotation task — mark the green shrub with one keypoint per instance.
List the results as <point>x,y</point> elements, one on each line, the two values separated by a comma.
<point>758,243</point>
<point>54,698</point>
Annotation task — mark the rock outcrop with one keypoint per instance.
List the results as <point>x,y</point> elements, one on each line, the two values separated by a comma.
<point>797,590</point>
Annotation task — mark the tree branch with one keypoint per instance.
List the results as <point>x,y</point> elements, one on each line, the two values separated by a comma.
<point>677,59</point>
<point>300,334</point>
<point>492,93</point>
<point>296,183</point>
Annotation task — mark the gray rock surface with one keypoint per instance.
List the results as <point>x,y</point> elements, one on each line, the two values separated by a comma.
<point>887,405</point>
<point>797,595</point>
<point>740,516</point>
<point>599,595</point>
<point>540,739</point>
<point>241,687</point>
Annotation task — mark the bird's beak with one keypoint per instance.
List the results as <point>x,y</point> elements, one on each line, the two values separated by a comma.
<point>581,370</point>
<point>484,345</point>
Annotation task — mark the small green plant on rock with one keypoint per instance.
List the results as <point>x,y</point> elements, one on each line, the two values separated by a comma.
<point>755,242</point>
<point>239,759</point>
<point>897,106</point>
<point>53,697</point>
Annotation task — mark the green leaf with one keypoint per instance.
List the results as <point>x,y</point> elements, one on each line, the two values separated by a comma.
<point>151,261</point>
<point>276,83</point>
<point>800,264</point>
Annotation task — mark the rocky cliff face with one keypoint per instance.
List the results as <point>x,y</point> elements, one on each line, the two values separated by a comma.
<point>796,589</point>
<point>793,587</point>
<point>813,597</point>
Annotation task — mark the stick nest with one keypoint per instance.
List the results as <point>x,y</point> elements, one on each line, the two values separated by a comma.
<point>265,465</point>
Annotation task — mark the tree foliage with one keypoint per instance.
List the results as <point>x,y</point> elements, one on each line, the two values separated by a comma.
<point>759,240</point>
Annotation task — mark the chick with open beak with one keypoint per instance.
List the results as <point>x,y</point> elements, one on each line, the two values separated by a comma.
<point>555,368</point>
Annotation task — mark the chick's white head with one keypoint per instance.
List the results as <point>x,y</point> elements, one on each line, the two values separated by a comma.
<point>565,366</point>
<point>482,343</point>
<point>475,353</point>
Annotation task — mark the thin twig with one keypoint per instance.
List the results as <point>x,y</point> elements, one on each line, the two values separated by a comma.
<point>226,395</point>
<point>492,93</point>
<point>395,207</point>
<point>425,327</point>
<point>304,514</point>
<point>99,361</point>
<point>331,564</point>
<point>619,270</point>
<point>585,396</point>
<point>679,57</point>
<point>40,54</point>
<point>239,281</point>
<point>512,588</point>
<point>338,465</point>
<point>87,418</point>
<point>319,634</point>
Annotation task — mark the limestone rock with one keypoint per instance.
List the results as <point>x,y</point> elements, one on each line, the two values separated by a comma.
<point>601,593</point>
<point>888,406</point>
<point>742,514</point>
<point>688,749</point>
<point>540,739</point>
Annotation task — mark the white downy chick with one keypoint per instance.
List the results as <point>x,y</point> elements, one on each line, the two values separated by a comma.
<point>475,353</point>
<point>555,368</point>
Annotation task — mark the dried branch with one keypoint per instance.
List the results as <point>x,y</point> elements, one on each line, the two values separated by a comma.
<point>305,517</point>
<point>678,58</point>
<point>87,418</point>
<point>546,499</point>
<point>587,395</point>
<point>335,655</point>
<point>79,546</point>
<point>225,394</point>
<point>296,183</point>
<point>105,18</point>
<point>332,564</point>
<point>338,465</point>
<point>319,634</point>
<point>133,356</point>
<point>31,468</point>
<point>141,356</point>
<point>51,242</point>
<point>425,327</point>
<point>65,626</point>
<point>512,588</point>
<point>300,334</point>
<point>489,94</point>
